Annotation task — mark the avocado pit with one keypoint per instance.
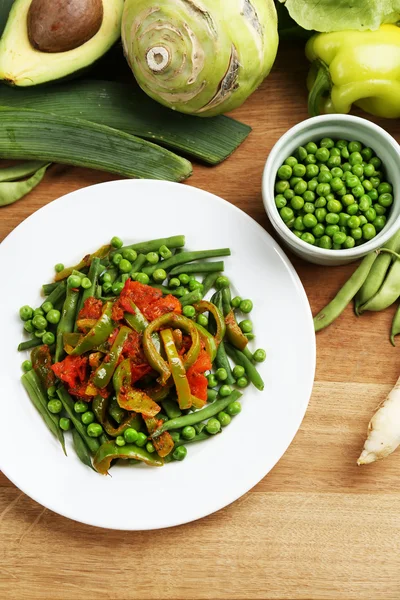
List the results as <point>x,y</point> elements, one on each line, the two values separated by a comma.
<point>62,25</point>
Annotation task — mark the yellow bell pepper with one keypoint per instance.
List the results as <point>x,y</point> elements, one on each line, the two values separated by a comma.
<point>355,67</point>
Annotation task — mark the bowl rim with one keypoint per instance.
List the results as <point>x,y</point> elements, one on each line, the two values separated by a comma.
<point>268,181</point>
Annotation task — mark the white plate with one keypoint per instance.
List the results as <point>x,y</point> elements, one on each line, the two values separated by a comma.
<point>214,473</point>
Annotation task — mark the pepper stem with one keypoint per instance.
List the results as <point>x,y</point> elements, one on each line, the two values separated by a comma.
<point>322,84</point>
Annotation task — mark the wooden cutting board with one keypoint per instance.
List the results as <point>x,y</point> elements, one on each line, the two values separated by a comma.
<point>317,527</point>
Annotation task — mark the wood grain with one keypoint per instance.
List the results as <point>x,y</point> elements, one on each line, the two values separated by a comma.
<point>317,527</point>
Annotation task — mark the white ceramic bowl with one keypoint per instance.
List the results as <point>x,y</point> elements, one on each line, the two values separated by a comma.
<point>337,127</point>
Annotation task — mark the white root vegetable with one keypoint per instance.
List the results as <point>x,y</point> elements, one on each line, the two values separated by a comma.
<point>384,429</point>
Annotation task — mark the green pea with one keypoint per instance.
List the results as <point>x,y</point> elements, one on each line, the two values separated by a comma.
<point>221,374</point>
<point>129,254</point>
<point>367,153</point>
<point>355,158</point>
<point>246,306</point>
<point>141,278</point>
<point>385,188</point>
<point>107,286</point>
<point>74,281</point>
<point>39,322</point>
<point>343,219</point>
<point>370,214</point>
<point>379,223</point>
<point>189,311</point>
<point>332,218</point>
<point>188,432</point>
<point>385,199</point>
<point>64,423</point>
<point>337,247</point>
<point>212,381</point>
<point>300,187</point>
<point>308,238</point>
<point>325,242</point>
<point>369,170</point>
<point>368,231</point>
<point>309,196</point>
<point>375,181</point>
<point>288,194</point>
<point>124,266</point>
<point>242,382</point>
<point>59,267</point>
<point>174,282</point>
<point>285,172</point>
<point>320,202</point>
<point>380,210</point>
<point>223,281</point>
<point>339,238</point>
<point>373,194</point>
<point>94,430</point>
<point>324,177</point>
<point>234,408</point>
<point>334,161</point>
<point>323,189</point>
<point>40,333</point>
<point>353,222</point>
<point>311,148</point>
<point>358,191</point>
<point>344,153</point>
<point>55,406</point>
<point>235,302</point>
<point>49,338</point>
<point>320,214</point>
<point>280,201</point>
<point>116,242</point>
<point>224,391</point>
<point>118,286</point>
<point>246,326</point>
<point>286,214</point>
<point>364,203</point>
<point>291,161</point>
<point>331,230</point>
<point>299,170</point>
<point>336,172</point>
<point>141,440</point>
<point>334,206</point>
<point>224,418</point>
<point>160,275</point>
<point>281,186</point>
<point>26,366</point>
<point>322,154</point>
<point>355,146</point>
<point>183,278</point>
<point>309,220</point>
<point>367,185</point>
<point>301,153</point>
<point>87,417</point>
<point>318,231</point>
<point>356,233</point>
<point>117,258</point>
<point>297,203</point>
<point>341,144</point>
<point>309,208</point>
<point>179,453</point>
<point>376,162</point>
<point>336,184</point>
<point>363,220</point>
<point>310,159</point>
<point>130,435</point>
<point>80,407</point>
<point>51,391</point>
<point>357,170</point>
<point>298,224</point>
<point>213,426</point>
<point>352,209</point>
<point>312,184</point>
<point>28,326</point>
<point>86,283</point>
<point>335,152</point>
<point>348,242</point>
<point>297,233</point>
<point>212,395</point>
<point>311,171</point>
<point>290,223</point>
<point>119,440</point>
<point>152,258</point>
<point>26,313</point>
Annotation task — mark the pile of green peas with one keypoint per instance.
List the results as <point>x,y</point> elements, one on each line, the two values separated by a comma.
<point>333,195</point>
<point>37,321</point>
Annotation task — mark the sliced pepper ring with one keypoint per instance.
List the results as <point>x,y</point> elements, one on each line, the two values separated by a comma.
<point>205,306</point>
<point>100,406</point>
<point>98,334</point>
<point>130,398</point>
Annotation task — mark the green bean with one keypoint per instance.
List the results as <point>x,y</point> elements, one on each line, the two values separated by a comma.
<point>93,275</point>
<point>223,363</point>
<point>98,291</point>
<point>22,170</point>
<point>57,294</point>
<point>81,449</point>
<point>199,267</point>
<point>166,290</point>
<point>103,438</point>
<point>199,415</point>
<point>176,241</point>
<point>241,359</point>
<point>197,438</point>
<point>248,354</point>
<point>48,288</point>
<point>138,263</point>
<point>388,292</point>
<point>11,191</point>
<point>171,408</point>
<point>226,300</point>
<point>335,308</point>
<point>31,383</point>
<point>209,282</point>
<point>116,412</point>
<point>29,344</point>
<point>191,298</point>
<point>186,257</point>
<point>378,272</point>
<point>68,404</point>
<point>67,321</point>
<point>395,326</point>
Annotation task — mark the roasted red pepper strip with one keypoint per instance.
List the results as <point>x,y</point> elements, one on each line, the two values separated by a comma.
<point>41,362</point>
<point>109,451</point>
<point>98,334</point>
<point>205,306</point>
<point>233,332</point>
<point>174,321</point>
<point>130,398</point>
<point>164,444</point>
<point>177,369</point>
<point>105,371</point>
<point>100,407</point>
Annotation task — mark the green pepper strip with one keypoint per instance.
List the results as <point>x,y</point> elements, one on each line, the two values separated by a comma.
<point>177,369</point>
<point>233,332</point>
<point>199,415</point>
<point>41,362</point>
<point>209,341</point>
<point>205,306</point>
<point>98,334</point>
<point>109,451</point>
<point>129,398</point>
<point>138,322</point>
<point>164,444</point>
<point>103,374</point>
<point>85,262</point>
<point>100,409</point>
<point>154,358</point>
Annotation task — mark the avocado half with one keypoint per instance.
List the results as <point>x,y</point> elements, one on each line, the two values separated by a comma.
<point>23,65</point>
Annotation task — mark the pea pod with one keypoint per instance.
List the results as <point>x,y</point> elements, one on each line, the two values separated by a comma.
<point>110,451</point>
<point>103,374</point>
<point>177,370</point>
<point>395,326</point>
<point>98,334</point>
<point>22,170</point>
<point>100,409</point>
<point>335,308</point>
<point>388,293</point>
<point>129,398</point>
<point>11,191</point>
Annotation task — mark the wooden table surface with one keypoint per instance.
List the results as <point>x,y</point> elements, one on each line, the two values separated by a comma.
<point>317,527</point>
